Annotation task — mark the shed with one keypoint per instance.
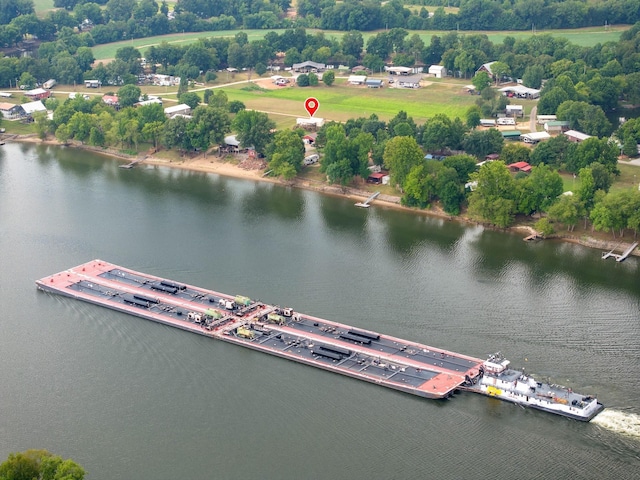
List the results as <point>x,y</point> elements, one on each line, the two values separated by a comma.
<point>487,122</point>
<point>438,71</point>
<point>376,178</point>
<point>399,70</point>
<point>576,136</point>
<point>374,83</point>
<point>514,110</point>
<point>535,137</point>
<point>92,83</point>
<point>520,167</point>
<point>357,79</point>
<point>556,126</point>
<point>309,138</point>
<point>181,109</point>
<point>150,101</point>
<point>37,94</point>
<point>511,134</point>
<point>310,123</point>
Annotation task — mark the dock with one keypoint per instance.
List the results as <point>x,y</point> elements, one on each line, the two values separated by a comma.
<point>132,163</point>
<point>366,203</point>
<point>620,257</point>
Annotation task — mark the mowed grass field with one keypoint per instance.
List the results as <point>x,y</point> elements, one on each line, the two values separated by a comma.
<point>586,37</point>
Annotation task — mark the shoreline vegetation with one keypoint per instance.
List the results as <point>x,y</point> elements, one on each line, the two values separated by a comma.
<point>213,163</point>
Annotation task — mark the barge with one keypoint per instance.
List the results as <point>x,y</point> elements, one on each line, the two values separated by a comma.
<point>385,360</point>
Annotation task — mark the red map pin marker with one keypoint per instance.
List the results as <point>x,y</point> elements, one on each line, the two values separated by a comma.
<point>311,105</point>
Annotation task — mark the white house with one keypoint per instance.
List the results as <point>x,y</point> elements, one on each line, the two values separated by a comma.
<point>32,107</point>
<point>535,137</point>
<point>438,71</point>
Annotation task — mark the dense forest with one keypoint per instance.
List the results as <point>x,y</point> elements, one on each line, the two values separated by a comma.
<point>115,20</point>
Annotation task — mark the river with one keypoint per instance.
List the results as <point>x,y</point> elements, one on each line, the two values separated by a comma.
<point>130,399</point>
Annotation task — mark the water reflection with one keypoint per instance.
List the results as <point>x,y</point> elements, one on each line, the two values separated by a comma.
<point>406,231</point>
<point>340,215</point>
<point>270,200</point>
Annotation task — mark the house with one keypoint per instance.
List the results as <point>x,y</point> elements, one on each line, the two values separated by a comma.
<point>409,82</point>
<point>374,83</point>
<point>575,136</point>
<point>174,110</point>
<point>92,83</point>
<point>514,111</point>
<point>520,167</point>
<point>486,67</point>
<point>437,71</point>
<point>357,79</point>
<point>32,107</point>
<point>309,66</point>
<point>111,100</point>
<point>231,145</point>
<point>556,126</point>
<point>37,94</point>
<point>535,137</point>
<point>11,111</point>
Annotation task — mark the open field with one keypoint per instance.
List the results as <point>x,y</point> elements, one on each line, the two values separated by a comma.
<point>42,6</point>
<point>586,37</point>
<point>341,102</point>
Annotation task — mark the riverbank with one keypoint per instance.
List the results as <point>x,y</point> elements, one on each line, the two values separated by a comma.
<point>253,170</point>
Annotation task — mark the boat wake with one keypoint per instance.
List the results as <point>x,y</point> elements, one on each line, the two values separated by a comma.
<point>619,422</point>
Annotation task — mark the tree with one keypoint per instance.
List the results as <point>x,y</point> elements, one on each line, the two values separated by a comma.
<point>303,80</point>
<point>567,210</point>
<point>254,129</point>
<point>514,152</point>
<point>473,116</point>
<point>492,199</point>
<point>190,98</point>
<point>630,147</point>
<point>539,190</point>
<point>39,464</point>
<point>152,132</point>
<point>533,76</point>
<point>400,155</point>
<point>328,78</point>
<point>352,43</point>
<point>481,80</point>
<point>313,80</point>
<point>285,154</point>
<point>128,95</point>
<point>482,143</point>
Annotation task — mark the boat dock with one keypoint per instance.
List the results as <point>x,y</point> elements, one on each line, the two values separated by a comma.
<point>132,163</point>
<point>366,203</point>
<point>403,365</point>
<point>622,256</point>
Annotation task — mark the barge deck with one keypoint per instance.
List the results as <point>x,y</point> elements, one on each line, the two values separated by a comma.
<point>382,359</point>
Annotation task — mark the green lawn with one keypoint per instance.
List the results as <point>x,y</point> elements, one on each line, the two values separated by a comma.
<point>587,37</point>
<point>341,102</point>
<point>42,6</point>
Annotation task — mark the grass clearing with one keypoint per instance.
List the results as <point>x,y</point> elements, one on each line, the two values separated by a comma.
<point>585,37</point>
<point>341,102</point>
